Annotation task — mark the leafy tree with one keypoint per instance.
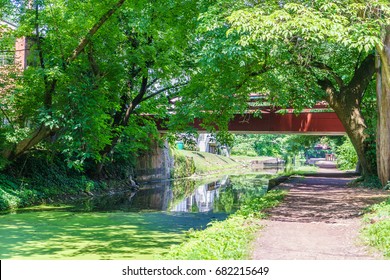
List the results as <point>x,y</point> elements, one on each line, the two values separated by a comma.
<point>244,145</point>
<point>346,155</point>
<point>304,52</point>
<point>97,69</point>
<point>61,34</point>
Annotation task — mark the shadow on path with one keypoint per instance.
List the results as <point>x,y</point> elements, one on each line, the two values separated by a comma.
<point>317,220</point>
<point>324,199</point>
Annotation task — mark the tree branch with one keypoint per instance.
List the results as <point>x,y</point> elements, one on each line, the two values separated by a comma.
<point>94,66</point>
<point>87,38</point>
<point>363,76</point>
<point>162,90</point>
<point>137,100</point>
<point>323,66</point>
<point>152,83</point>
<point>329,89</point>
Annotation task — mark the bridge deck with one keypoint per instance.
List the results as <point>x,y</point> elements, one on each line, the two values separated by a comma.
<point>315,123</point>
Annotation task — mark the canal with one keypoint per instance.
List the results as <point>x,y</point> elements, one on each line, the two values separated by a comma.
<point>134,225</point>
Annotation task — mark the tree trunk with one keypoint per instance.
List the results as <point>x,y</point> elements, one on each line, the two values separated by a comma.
<point>383,101</point>
<point>354,124</point>
<point>18,149</point>
<point>346,104</point>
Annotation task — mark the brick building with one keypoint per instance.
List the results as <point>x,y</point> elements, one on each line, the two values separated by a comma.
<point>12,51</point>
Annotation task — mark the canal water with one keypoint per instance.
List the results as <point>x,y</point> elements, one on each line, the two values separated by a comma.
<point>134,225</point>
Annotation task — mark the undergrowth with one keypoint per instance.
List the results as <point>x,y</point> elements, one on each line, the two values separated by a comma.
<point>376,232</point>
<point>371,182</point>
<point>38,180</point>
<point>229,239</point>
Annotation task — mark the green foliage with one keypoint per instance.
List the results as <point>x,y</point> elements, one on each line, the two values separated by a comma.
<point>36,179</point>
<point>353,24</point>
<point>284,146</point>
<point>184,166</point>
<point>229,239</point>
<point>346,155</point>
<point>244,145</point>
<point>372,182</point>
<point>376,232</point>
<point>92,97</point>
<point>254,206</point>
<point>206,162</point>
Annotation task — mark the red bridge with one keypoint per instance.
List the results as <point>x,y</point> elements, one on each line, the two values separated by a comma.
<point>316,123</point>
<point>274,122</point>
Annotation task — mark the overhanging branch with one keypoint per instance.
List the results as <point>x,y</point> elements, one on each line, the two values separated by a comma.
<point>87,38</point>
<point>163,90</point>
<point>323,66</point>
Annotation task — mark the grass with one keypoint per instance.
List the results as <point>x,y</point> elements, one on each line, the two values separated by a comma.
<point>376,232</point>
<point>211,163</point>
<point>229,239</point>
<point>249,158</point>
<point>206,162</point>
<point>21,192</point>
<point>302,170</point>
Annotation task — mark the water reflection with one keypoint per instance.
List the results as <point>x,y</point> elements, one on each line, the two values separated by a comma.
<point>105,228</point>
<point>218,195</point>
<point>203,198</point>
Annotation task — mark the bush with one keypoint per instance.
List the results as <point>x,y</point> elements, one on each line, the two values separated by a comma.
<point>346,155</point>
<point>183,167</point>
<point>37,179</point>
<point>376,233</point>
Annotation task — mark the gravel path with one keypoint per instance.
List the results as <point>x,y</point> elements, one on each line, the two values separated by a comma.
<point>319,219</point>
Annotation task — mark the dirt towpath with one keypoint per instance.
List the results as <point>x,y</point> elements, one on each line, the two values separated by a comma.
<point>319,219</point>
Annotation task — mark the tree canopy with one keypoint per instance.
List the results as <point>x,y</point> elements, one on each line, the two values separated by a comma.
<point>299,52</point>
<point>98,68</point>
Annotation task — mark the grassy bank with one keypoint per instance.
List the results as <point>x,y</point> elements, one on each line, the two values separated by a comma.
<point>23,192</point>
<point>376,232</point>
<point>38,180</point>
<point>193,162</point>
<point>229,239</point>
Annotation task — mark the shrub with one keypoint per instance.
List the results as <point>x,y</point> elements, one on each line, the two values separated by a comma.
<point>346,155</point>
<point>376,233</point>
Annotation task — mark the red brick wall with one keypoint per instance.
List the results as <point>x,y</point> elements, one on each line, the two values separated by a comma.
<point>21,52</point>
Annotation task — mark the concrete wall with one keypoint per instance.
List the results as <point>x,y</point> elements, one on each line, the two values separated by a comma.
<point>156,164</point>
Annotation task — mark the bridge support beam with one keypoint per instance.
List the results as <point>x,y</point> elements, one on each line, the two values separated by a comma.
<point>309,123</point>
<point>315,123</point>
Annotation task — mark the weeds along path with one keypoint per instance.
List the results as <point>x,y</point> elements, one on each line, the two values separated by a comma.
<point>319,219</point>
